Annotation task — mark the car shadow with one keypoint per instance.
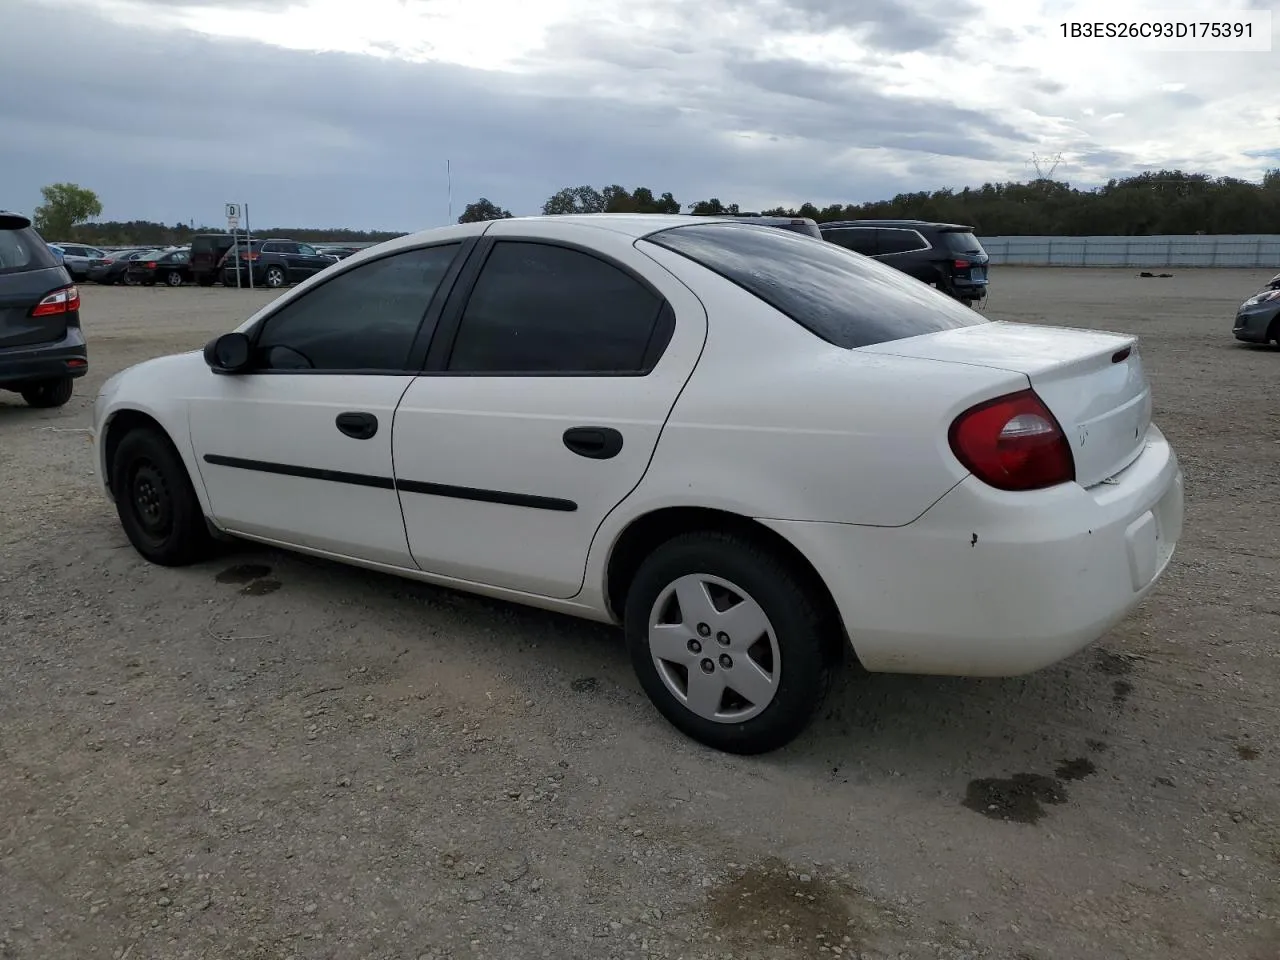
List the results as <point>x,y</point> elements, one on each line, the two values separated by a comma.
<point>872,726</point>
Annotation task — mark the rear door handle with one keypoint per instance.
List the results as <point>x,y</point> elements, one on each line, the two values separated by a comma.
<point>360,426</point>
<point>595,443</point>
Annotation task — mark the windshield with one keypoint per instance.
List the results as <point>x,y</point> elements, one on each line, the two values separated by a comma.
<point>23,250</point>
<point>957,242</point>
<point>844,298</point>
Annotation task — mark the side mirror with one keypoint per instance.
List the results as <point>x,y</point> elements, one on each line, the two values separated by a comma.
<point>228,353</point>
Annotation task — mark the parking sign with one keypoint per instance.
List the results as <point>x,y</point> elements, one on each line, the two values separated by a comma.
<point>233,211</point>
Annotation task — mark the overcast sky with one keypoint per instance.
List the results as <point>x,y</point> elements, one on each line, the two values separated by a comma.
<point>344,112</point>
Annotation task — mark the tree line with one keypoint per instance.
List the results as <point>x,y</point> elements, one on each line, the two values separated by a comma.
<point>1149,204</point>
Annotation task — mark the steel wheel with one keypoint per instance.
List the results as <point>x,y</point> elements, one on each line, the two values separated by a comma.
<point>275,277</point>
<point>714,648</point>
<point>150,500</point>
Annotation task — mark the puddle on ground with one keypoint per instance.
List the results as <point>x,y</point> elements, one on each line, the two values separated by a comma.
<point>243,573</point>
<point>585,685</point>
<point>770,904</point>
<point>1021,798</point>
<point>1076,769</point>
<point>257,588</point>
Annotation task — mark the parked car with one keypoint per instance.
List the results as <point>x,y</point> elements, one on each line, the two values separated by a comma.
<point>172,268</point>
<point>749,449</point>
<point>207,250</point>
<point>273,263</point>
<point>805,225</point>
<point>1258,318</point>
<point>42,348</point>
<point>944,255</point>
<point>57,253</point>
<point>77,258</point>
<point>111,268</point>
<point>338,253</point>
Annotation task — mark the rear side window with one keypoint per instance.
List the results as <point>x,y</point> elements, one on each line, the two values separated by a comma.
<point>23,250</point>
<point>900,241</point>
<point>863,240</point>
<point>847,300</point>
<point>543,309</point>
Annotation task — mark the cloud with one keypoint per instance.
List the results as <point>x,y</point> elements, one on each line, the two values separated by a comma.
<point>344,113</point>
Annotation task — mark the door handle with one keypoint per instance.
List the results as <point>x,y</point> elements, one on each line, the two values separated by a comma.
<point>595,443</point>
<point>360,426</point>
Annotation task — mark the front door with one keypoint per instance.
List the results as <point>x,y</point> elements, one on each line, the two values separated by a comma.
<point>546,391</point>
<point>298,450</point>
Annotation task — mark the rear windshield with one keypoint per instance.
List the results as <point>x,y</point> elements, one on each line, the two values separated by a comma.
<point>23,250</point>
<point>957,242</point>
<point>846,299</point>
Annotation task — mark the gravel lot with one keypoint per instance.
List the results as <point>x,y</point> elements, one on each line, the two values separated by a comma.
<point>275,757</point>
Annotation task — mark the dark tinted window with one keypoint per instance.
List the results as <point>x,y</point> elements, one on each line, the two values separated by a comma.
<point>859,239</point>
<point>22,250</point>
<point>364,319</point>
<point>957,242</point>
<point>846,300</point>
<point>899,241</point>
<point>538,308</point>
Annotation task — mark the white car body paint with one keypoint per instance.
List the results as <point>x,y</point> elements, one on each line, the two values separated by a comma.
<point>844,453</point>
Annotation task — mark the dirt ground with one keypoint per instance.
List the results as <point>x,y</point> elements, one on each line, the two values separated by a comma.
<point>275,757</point>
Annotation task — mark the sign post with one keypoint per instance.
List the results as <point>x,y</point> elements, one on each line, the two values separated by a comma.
<point>248,242</point>
<point>233,228</point>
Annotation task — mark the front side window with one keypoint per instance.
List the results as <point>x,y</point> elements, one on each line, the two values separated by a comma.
<point>847,300</point>
<point>306,250</point>
<point>540,308</point>
<point>363,319</point>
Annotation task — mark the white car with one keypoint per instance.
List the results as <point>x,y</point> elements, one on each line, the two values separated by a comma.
<point>752,449</point>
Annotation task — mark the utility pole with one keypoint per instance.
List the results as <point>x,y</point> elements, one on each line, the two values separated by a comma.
<point>448,172</point>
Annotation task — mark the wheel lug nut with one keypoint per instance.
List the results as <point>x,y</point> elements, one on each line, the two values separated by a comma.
<point>695,646</point>
<point>722,638</point>
<point>708,666</point>
<point>704,630</point>
<point>726,661</point>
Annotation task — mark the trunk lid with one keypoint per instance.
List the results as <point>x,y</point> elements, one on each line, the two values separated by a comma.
<point>1091,380</point>
<point>19,293</point>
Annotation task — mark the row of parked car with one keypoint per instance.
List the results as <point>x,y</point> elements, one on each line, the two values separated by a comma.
<point>209,258</point>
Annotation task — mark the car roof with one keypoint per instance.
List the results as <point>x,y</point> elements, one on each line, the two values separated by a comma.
<point>634,225</point>
<point>932,224</point>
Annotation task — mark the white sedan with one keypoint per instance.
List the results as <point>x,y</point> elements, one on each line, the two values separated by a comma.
<point>752,449</point>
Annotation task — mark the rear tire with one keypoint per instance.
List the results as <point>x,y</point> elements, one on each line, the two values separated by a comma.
<point>48,393</point>
<point>759,617</point>
<point>156,502</point>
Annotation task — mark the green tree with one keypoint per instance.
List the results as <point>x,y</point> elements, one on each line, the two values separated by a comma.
<point>712,208</point>
<point>65,205</point>
<point>584,199</point>
<point>483,209</point>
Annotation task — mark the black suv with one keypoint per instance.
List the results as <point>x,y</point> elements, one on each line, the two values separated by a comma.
<point>944,255</point>
<point>42,348</point>
<point>803,225</point>
<point>275,263</point>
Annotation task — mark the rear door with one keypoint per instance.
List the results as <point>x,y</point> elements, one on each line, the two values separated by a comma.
<point>28,272</point>
<point>546,389</point>
<point>858,239</point>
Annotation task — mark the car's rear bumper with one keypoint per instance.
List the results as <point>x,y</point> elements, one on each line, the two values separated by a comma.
<point>68,357</point>
<point>987,583</point>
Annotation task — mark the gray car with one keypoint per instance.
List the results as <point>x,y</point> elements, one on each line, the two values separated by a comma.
<point>78,258</point>
<point>1258,318</point>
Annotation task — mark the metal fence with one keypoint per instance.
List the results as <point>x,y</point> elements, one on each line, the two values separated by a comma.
<point>1256,250</point>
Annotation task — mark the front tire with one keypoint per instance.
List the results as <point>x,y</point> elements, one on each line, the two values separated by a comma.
<point>731,643</point>
<point>48,393</point>
<point>173,278</point>
<point>155,501</point>
<point>276,277</point>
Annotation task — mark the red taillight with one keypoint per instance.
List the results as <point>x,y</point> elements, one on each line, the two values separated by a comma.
<point>1013,442</point>
<point>151,265</point>
<point>248,256</point>
<point>60,301</point>
<point>962,264</point>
